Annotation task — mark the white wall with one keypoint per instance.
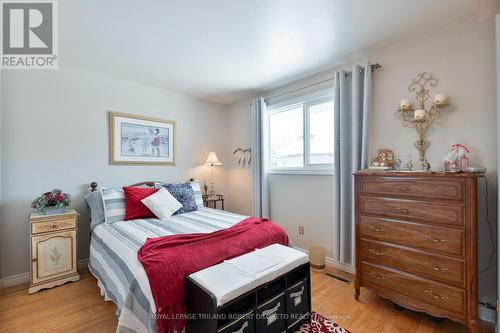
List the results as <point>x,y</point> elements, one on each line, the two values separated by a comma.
<point>239,136</point>
<point>55,133</point>
<point>2,221</point>
<point>462,58</point>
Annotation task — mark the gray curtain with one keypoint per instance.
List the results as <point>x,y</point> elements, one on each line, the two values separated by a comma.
<point>352,103</point>
<point>497,29</point>
<point>260,197</point>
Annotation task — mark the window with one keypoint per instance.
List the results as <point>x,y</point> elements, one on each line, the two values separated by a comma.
<point>286,138</point>
<point>301,138</point>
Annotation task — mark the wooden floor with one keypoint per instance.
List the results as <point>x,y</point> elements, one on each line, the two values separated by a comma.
<point>79,307</point>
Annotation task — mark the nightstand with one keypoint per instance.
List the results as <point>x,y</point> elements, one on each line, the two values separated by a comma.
<point>53,244</point>
<point>211,202</point>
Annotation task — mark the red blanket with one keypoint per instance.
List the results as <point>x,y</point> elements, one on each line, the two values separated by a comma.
<point>168,260</point>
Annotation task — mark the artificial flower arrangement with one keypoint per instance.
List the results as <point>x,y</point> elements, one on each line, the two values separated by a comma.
<point>52,202</point>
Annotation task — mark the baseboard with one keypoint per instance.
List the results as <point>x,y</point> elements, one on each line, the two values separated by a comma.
<point>25,277</point>
<point>82,263</point>
<point>486,314</point>
<point>15,279</point>
<point>332,263</point>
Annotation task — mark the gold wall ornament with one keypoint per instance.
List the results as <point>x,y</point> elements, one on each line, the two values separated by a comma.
<point>426,115</point>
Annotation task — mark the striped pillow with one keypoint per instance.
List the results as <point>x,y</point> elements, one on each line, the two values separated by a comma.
<point>113,200</point>
<point>195,185</point>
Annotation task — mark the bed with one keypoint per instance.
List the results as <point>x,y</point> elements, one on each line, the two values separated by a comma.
<point>121,277</point>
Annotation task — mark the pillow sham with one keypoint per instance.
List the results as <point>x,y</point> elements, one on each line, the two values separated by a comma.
<point>113,200</point>
<point>162,203</point>
<point>94,201</point>
<point>134,208</point>
<point>195,185</point>
<point>182,192</point>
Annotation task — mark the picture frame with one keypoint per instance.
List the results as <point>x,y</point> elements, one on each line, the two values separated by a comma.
<point>140,140</point>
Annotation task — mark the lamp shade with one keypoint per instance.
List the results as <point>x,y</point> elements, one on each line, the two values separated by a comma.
<point>212,159</point>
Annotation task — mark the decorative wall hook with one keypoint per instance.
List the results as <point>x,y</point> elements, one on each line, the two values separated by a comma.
<point>242,157</point>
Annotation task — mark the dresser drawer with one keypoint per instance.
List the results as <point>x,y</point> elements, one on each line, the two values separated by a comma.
<point>54,225</point>
<point>437,239</point>
<point>439,268</point>
<point>426,212</point>
<point>413,187</point>
<point>426,291</point>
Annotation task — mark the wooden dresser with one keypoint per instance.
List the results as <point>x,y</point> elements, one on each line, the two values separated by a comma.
<point>53,249</point>
<point>416,240</point>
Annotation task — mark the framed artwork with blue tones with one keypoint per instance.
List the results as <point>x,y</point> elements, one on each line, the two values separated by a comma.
<point>140,140</point>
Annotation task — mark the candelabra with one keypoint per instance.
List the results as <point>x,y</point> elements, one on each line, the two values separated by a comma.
<point>421,119</point>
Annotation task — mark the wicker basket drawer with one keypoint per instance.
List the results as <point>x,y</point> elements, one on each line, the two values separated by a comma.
<point>438,268</point>
<point>426,212</point>
<point>437,239</point>
<point>449,189</point>
<point>436,294</point>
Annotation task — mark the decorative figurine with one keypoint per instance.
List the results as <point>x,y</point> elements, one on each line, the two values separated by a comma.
<point>409,163</point>
<point>397,163</point>
<point>425,165</point>
<point>385,158</point>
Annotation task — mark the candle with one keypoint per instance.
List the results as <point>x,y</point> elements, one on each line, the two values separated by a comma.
<point>439,99</point>
<point>405,103</point>
<point>419,114</point>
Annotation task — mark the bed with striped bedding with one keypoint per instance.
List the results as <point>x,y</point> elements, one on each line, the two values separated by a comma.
<point>121,277</point>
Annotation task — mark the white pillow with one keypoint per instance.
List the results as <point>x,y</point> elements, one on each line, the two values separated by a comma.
<point>162,203</point>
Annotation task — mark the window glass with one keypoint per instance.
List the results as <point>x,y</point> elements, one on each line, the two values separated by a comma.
<point>321,133</point>
<point>286,136</point>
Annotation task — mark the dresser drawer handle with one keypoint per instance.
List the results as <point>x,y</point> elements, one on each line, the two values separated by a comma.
<point>376,229</point>
<point>434,239</point>
<point>403,188</point>
<point>436,268</point>
<point>53,226</point>
<point>376,276</point>
<point>404,210</point>
<point>380,253</point>
<point>434,295</point>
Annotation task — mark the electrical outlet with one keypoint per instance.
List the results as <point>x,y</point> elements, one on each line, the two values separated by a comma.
<point>301,230</point>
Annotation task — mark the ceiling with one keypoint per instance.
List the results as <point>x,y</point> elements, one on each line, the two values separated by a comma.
<point>223,50</point>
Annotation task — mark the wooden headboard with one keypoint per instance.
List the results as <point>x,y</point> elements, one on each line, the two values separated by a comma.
<point>93,185</point>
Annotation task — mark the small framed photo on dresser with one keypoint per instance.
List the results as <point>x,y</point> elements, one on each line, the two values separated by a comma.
<point>140,140</point>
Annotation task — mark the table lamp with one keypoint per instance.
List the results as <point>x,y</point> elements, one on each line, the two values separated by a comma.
<point>212,160</point>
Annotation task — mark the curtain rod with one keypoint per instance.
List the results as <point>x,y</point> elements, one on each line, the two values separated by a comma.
<point>373,68</point>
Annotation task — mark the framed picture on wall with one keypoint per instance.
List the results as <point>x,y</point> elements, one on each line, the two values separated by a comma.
<point>140,140</point>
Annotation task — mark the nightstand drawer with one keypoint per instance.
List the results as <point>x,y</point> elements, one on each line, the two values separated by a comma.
<point>54,225</point>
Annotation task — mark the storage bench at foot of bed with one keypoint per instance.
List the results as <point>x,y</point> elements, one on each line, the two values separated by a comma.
<point>281,304</point>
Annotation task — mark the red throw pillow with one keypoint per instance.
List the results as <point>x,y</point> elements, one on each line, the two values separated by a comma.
<point>134,208</point>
